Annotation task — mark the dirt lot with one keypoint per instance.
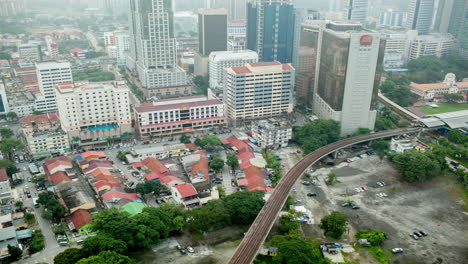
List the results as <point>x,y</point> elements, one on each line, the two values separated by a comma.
<point>431,207</point>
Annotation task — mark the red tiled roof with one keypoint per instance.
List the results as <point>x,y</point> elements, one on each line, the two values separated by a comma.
<point>88,154</point>
<point>3,175</point>
<point>169,179</point>
<point>240,145</point>
<point>137,164</point>
<point>186,190</point>
<point>59,177</point>
<point>80,218</point>
<point>103,175</point>
<point>39,119</point>
<point>103,183</point>
<point>154,165</point>
<point>242,182</point>
<point>154,175</point>
<point>110,195</point>
<point>241,70</point>
<point>191,146</point>
<point>264,63</point>
<point>288,67</point>
<point>95,164</point>
<point>255,177</point>
<point>201,168</point>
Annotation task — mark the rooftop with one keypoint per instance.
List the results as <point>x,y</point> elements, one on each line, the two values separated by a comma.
<point>81,218</point>
<point>176,104</point>
<point>39,119</point>
<point>186,190</point>
<point>3,175</point>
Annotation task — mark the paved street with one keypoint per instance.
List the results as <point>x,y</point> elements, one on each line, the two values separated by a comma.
<point>227,176</point>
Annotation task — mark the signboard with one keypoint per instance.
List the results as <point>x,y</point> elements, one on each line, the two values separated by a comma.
<point>366,40</point>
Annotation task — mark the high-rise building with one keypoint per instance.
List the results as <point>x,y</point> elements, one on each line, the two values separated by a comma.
<point>220,60</point>
<point>236,8</point>
<point>212,31</point>
<point>30,52</point>
<point>94,111</point>
<point>348,71</point>
<point>270,29</point>
<point>12,7</point>
<point>391,18</point>
<point>3,100</point>
<point>301,15</point>
<point>152,44</point>
<point>435,44</point>
<point>397,46</point>
<point>122,44</point>
<point>355,10</point>
<point>49,74</point>
<point>237,35</point>
<point>458,24</point>
<point>420,15</point>
<point>259,90</point>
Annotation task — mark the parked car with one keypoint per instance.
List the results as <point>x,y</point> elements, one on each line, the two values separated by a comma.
<point>306,183</point>
<point>179,247</point>
<point>355,207</point>
<point>414,236</point>
<point>348,161</point>
<point>417,234</point>
<point>311,194</point>
<point>397,250</point>
<point>29,179</point>
<point>358,190</point>
<point>423,233</point>
<point>298,201</point>
<point>190,250</point>
<point>364,188</point>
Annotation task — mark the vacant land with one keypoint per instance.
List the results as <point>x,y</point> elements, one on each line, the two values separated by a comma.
<point>434,207</point>
<point>443,108</point>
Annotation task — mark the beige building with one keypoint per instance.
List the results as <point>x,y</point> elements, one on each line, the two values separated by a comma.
<point>94,111</point>
<point>168,92</point>
<point>259,90</point>
<point>158,152</point>
<point>428,91</point>
<point>434,44</point>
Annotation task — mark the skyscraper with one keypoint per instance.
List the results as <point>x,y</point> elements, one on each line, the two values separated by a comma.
<point>420,15</point>
<point>49,74</point>
<point>4,109</point>
<point>458,24</point>
<point>347,75</point>
<point>356,10</point>
<point>235,8</point>
<point>212,30</point>
<point>152,44</point>
<point>270,29</point>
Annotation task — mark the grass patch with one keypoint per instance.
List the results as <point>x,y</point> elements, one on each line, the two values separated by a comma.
<point>459,191</point>
<point>443,108</point>
<point>383,256</point>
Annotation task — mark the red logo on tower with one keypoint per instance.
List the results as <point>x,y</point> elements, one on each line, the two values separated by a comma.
<point>366,40</point>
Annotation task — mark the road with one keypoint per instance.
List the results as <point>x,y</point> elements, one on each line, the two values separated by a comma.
<point>227,176</point>
<point>258,231</point>
<point>94,42</point>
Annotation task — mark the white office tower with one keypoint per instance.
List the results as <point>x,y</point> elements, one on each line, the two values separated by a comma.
<point>420,15</point>
<point>348,73</point>
<point>391,18</point>
<point>397,46</point>
<point>220,60</point>
<point>152,44</point>
<point>356,10</point>
<point>122,45</point>
<point>49,74</point>
<point>4,109</point>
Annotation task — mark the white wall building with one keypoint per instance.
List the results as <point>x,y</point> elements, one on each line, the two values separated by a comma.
<point>237,35</point>
<point>30,52</point>
<point>4,107</point>
<point>397,47</point>
<point>49,74</point>
<point>272,133</point>
<point>122,44</point>
<point>259,90</point>
<point>356,10</point>
<point>391,18</point>
<point>220,60</point>
<point>94,111</point>
<point>434,44</point>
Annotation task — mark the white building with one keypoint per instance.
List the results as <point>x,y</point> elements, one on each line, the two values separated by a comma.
<point>220,60</point>
<point>259,90</point>
<point>5,189</point>
<point>49,74</point>
<point>356,10</point>
<point>272,133</point>
<point>122,44</point>
<point>397,47</point>
<point>152,44</point>
<point>391,18</point>
<point>402,145</point>
<point>30,52</point>
<point>4,108</point>
<point>348,73</point>
<point>434,44</point>
<point>94,111</point>
<point>237,35</point>
<point>25,108</point>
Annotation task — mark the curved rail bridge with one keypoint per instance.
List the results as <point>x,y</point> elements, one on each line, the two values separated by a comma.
<point>258,231</point>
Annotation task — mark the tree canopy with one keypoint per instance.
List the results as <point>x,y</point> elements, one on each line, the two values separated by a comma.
<point>9,166</point>
<point>232,161</point>
<point>375,237</point>
<point>400,94</point>
<point>150,187</point>
<point>213,216</point>
<point>6,132</point>
<point>54,210</point>
<point>185,139</point>
<point>93,75</point>
<point>244,206</point>
<point>380,146</point>
<point>334,224</point>
<point>316,134</point>
<point>216,163</point>
<point>209,143</point>
<point>10,145</point>
<point>102,242</point>
<point>292,249</point>
<point>431,69</point>
<point>417,166</point>
<point>107,257</point>
<point>69,256</point>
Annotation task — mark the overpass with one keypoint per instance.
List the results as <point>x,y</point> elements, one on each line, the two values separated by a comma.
<point>258,231</point>
<point>397,109</point>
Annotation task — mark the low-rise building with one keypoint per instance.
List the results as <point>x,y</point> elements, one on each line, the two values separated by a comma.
<point>74,196</point>
<point>157,152</point>
<point>44,136</point>
<point>168,91</point>
<point>272,133</point>
<point>186,195</point>
<point>434,44</point>
<point>402,145</point>
<point>176,116</point>
<point>429,91</point>
<point>5,189</point>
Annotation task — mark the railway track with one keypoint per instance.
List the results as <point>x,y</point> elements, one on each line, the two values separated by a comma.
<point>258,231</point>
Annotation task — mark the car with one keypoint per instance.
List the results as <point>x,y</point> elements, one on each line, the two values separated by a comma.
<point>348,161</point>
<point>282,165</point>
<point>423,233</point>
<point>29,179</point>
<point>345,204</point>
<point>29,195</point>
<point>190,249</point>
<point>311,194</point>
<point>79,242</point>
<point>124,163</point>
<point>397,250</point>
<point>183,251</point>
<point>355,207</point>
<point>382,194</point>
<point>179,247</point>
<point>21,195</point>
<point>330,163</point>
<point>364,188</point>
<point>414,236</point>
<point>358,190</point>
<point>383,183</point>
<point>63,243</point>
<point>306,183</point>
<point>294,190</point>
<point>298,201</point>
<point>379,184</point>
<point>417,234</point>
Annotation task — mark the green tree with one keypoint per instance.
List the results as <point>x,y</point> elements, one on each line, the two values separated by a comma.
<point>232,161</point>
<point>69,256</point>
<point>107,257</point>
<point>184,139</point>
<point>121,155</point>
<point>53,209</point>
<point>216,163</point>
<point>380,146</point>
<point>375,237</point>
<point>15,253</point>
<point>316,134</point>
<point>19,205</point>
<point>417,166</point>
<point>455,136</point>
<point>150,187</point>
<point>10,145</point>
<point>101,242</point>
<point>11,115</point>
<point>30,219</point>
<point>295,250</point>
<point>94,54</point>
<point>9,166</point>
<point>37,243</point>
<point>213,216</point>
<point>209,143</point>
<point>331,177</point>
<point>288,223</point>
<point>6,132</point>
<point>173,216</point>
<point>453,98</point>
<point>384,123</point>
<point>244,206</point>
<point>334,224</point>
<point>400,94</point>
<point>202,83</point>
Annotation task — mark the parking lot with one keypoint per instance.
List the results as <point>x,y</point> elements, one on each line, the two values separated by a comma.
<point>397,208</point>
